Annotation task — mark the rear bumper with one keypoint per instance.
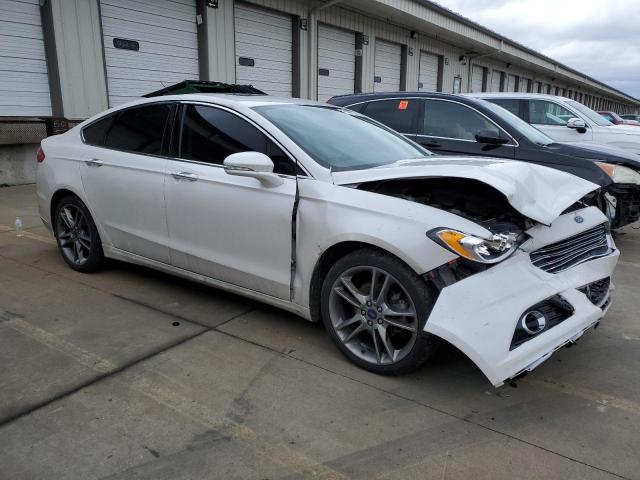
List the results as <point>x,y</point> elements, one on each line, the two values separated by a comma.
<point>479,314</point>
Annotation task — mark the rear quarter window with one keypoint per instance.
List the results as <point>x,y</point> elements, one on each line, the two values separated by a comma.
<point>95,133</point>
<point>398,114</point>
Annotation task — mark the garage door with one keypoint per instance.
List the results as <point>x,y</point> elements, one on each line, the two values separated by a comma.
<point>495,80</point>
<point>511,83</point>
<point>524,84</point>
<point>429,72</point>
<point>387,66</point>
<point>477,75</point>
<point>336,62</point>
<point>148,44</point>
<point>24,84</point>
<point>264,49</point>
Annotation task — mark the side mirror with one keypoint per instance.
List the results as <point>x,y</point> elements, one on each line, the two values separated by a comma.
<point>252,164</point>
<point>490,138</point>
<point>577,124</point>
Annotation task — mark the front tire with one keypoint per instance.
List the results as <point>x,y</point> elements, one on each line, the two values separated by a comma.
<point>375,307</point>
<point>77,236</point>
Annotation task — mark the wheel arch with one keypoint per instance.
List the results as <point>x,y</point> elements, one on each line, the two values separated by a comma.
<point>55,200</point>
<point>331,255</point>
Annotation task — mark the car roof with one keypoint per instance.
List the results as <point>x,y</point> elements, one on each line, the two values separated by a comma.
<point>351,98</point>
<point>515,95</point>
<point>228,99</point>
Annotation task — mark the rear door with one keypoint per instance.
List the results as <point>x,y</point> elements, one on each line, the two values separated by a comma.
<point>449,128</point>
<point>229,228</point>
<point>123,178</point>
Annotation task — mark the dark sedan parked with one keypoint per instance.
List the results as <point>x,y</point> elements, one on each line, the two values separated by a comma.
<point>450,124</point>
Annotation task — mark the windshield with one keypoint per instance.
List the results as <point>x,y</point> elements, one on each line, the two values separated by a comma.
<point>523,128</point>
<point>339,139</point>
<point>590,114</point>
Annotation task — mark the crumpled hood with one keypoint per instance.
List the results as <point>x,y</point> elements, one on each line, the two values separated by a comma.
<point>538,192</point>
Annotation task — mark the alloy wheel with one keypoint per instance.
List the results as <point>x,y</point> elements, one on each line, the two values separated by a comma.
<point>373,315</point>
<point>73,234</point>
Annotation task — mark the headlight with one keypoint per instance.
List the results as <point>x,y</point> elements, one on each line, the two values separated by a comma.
<point>498,248</point>
<point>620,174</point>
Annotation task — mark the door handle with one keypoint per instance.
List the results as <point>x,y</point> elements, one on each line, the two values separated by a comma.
<point>94,162</point>
<point>432,144</point>
<point>192,177</point>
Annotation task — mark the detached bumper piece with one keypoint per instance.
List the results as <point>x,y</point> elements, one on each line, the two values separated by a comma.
<point>627,204</point>
<point>541,318</point>
<point>572,251</point>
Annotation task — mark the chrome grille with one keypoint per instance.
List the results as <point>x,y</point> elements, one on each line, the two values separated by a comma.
<point>559,256</point>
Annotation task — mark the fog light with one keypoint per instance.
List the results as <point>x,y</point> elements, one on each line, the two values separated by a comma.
<point>533,322</point>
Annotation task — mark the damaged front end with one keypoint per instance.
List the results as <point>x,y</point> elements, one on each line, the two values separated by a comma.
<point>514,297</point>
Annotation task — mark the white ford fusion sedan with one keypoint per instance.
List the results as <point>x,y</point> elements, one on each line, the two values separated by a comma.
<point>330,215</point>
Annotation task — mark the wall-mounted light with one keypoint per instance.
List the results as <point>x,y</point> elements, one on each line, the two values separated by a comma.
<point>413,34</point>
<point>304,24</point>
<point>212,3</point>
<point>508,65</point>
<point>463,59</point>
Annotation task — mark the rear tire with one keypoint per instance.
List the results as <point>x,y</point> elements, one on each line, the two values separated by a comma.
<point>77,236</point>
<point>375,307</point>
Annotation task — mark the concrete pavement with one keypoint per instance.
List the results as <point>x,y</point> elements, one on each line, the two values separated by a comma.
<point>133,374</point>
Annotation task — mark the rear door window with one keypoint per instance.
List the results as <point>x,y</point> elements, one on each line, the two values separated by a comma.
<point>139,129</point>
<point>398,114</point>
<point>511,104</point>
<point>452,120</point>
<point>544,112</point>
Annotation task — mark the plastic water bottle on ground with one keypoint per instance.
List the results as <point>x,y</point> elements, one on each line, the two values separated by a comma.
<point>19,231</point>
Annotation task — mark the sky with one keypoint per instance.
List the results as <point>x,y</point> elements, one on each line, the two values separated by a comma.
<point>600,38</point>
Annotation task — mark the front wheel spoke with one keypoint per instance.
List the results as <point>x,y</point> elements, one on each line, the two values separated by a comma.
<point>356,331</point>
<point>65,241</point>
<point>376,344</point>
<point>64,235</point>
<point>351,288</point>
<point>67,218</point>
<point>390,312</point>
<point>403,326</point>
<point>76,251</point>
<point>348,322</point>
<point>344,295</point>
<point>84,243</point>
<point>384,290</point>
<point>386,341</point>
<point>372,290</point>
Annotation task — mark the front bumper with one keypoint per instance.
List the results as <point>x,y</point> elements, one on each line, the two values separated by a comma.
<point>479,314</point>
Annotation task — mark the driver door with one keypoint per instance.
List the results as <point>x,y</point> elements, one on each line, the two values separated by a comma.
<point>551,118</point>
<point>226,227</point>
<point>450,128</point>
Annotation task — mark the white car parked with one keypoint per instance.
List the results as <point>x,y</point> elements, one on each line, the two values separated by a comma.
<point>567,120</point>
<point>330,215</point>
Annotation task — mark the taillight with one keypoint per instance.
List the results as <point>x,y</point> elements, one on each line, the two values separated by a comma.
<point>40,155</point>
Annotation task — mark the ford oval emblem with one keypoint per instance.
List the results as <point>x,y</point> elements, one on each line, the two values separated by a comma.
<point>578,219</point>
